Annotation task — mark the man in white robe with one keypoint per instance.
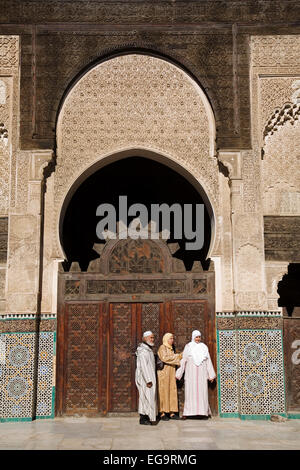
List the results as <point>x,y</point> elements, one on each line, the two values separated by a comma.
<point>145,379</point>
<point>198,368</point>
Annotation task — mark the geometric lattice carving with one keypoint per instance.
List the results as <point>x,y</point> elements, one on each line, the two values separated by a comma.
<point>71,288</point>
<point>151,286</point>
<point>9,51</point>
<point>150,319</point>
<point>122,360</point>
<point>82,357</point>
<point>188,316</point>
<point>3,239</point>
<point>136,256</point>
<point>199,286</point>
<point>26,325</point>
<point>292,362</point>
<point>289,112</point>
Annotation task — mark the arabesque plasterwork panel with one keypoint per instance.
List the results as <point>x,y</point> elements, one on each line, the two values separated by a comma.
<point>129,102</point>
<point>275,89</point>
<point>281,171</point>
<point>9,115</point>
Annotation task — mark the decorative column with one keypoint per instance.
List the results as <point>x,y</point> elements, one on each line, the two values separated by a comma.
<point>9,105</point>
<point>247,230</point>
<point>24,247</point>
<point>27,340</point>
<point>250,360</point>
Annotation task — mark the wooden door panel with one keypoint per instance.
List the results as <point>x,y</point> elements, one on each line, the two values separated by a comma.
<point>186,316</point>
<point>128,321</point>
<point>81,358</point>
<point>150,320</point>
<point>103,357</point>
<point>120,376</point>
<point>291,328</point>
<point>96,353</point>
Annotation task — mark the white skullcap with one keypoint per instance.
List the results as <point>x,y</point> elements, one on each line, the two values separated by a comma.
<point>195,333</point>
<point>147,333</point>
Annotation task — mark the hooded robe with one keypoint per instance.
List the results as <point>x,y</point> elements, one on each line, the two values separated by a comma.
<point>145,373</point>
<point>198,368</point>
<point>167,389</point>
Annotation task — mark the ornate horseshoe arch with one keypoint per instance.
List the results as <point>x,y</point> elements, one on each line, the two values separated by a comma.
<point>131,103</point>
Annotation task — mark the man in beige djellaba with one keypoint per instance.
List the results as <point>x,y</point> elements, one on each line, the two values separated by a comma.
<point>167,389</point>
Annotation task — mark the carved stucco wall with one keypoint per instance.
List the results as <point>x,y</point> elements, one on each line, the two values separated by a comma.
<point>5,140</point>
<point>134,101</point>
<point>276,103</point>
<point>281,171</point>
<point>9,103</point>
<point>20,192</point>
<point>141,102</point>
<point>9,106</point>
<point>247,234</point>
<point>137,101</point>
<point>281,163</point>
<point>275,75</point>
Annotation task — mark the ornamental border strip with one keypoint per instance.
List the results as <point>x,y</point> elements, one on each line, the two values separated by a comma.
<point>256,313</point>
<point>27,316</point>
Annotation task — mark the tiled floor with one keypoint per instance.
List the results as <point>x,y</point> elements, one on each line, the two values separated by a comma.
<point>126,433</point>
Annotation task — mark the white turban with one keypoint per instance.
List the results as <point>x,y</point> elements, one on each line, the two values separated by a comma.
<point>147,333</point>
<point>195,334</point>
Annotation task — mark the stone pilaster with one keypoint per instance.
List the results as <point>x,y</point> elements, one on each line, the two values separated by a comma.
<point>246,230</point>
<point>9,113</point>
<point>275,85</point>
<point>24,248</point>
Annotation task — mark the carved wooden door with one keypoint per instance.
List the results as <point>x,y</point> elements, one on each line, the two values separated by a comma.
<point>291,330</point>
<point>127,322</point>
<point>80,337</point>
<point>96,354</point>
<point>181,318</point>
<point>97,344</point>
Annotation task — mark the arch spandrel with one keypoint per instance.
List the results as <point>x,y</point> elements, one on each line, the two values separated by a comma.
<point>134,102</point>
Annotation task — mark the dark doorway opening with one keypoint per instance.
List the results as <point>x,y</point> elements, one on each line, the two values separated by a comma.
<point>289,289</point>
<point>142,180</point>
